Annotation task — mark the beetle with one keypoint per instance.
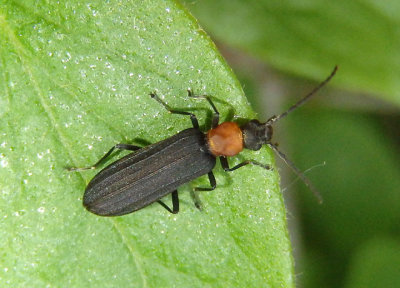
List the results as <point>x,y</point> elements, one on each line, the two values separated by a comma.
<point>150,173</point>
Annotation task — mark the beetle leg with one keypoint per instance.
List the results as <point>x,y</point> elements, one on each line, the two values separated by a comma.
<point>225,164</point>
<point>215,119</point>
<point>104,158</point>
<point>170,110</point>
<point>196,200</point>
<point>213,183</point>
<point>175,203</point>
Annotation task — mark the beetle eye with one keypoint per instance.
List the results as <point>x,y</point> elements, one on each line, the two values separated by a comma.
<point>268,133</point>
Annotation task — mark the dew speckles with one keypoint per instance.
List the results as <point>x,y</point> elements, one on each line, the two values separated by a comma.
<point>19,213</point>
<point>90,8</point>
<point>67,59</point>
<point>134,24</point>
<point>5,192</point>
<point>41,209</point>
<point>3,161</point>
<point>109,66</point>
<point>64,107</point>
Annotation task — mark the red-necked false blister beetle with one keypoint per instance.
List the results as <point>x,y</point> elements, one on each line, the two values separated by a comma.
<point>150,173</point>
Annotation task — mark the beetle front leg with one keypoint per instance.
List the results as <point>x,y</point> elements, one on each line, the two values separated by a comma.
<point>225,164</point>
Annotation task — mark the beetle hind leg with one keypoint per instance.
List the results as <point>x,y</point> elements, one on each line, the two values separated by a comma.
<point>175,203</point>
<point>104,158</point>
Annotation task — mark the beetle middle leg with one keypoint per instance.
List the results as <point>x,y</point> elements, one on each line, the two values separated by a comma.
<point>213,183</point>
<point>193,117</point>
<point>104,158</point>
<point>175,203</point>
<point>215,119</point>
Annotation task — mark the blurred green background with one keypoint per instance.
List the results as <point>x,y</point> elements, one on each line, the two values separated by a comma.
<point>346,138</point>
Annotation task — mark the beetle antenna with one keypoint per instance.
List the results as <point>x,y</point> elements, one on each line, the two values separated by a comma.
<point>303,100</point>
<point>297,171</point>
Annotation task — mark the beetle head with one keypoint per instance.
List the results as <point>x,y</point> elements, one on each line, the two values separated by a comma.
<point>255,134</point>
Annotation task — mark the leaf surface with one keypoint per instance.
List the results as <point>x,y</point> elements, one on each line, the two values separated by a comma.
<point>75,80</point>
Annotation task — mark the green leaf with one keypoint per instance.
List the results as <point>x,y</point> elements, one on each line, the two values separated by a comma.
<point>309,37</point>
<point>75,79</point>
